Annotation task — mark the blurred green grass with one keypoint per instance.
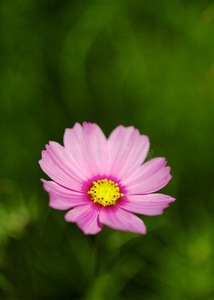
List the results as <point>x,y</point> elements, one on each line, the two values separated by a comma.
<point>144,63</point>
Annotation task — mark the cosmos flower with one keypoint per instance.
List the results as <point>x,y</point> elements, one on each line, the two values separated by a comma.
<point>103,180</point>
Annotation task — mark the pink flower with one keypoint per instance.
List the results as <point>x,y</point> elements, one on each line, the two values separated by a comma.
<point>104,180</point>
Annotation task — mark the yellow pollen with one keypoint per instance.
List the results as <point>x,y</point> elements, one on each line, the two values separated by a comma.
<point>104,191</point>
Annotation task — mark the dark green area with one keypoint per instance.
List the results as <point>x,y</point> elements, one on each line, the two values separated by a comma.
<point>144,63</point>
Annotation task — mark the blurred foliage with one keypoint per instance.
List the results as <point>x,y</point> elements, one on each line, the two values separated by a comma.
<point>144,63</point>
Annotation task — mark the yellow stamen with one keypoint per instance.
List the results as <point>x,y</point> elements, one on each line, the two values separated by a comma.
<point>104,191</point>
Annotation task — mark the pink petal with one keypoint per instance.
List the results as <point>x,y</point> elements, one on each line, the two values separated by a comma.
<point>97,144</point>
<point>67,161</point>
<point>119,219</point>
<point>86,217</point>
<point>57,164</point>
<point>151,205</point>
<point>62,198</point>
<point>127,150</point>
<point>148,169</point>
<point>150,180</point>
<point>89,144</point>
<point>51,186</point>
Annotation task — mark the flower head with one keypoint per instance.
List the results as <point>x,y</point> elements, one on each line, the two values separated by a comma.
<point>103,180</point>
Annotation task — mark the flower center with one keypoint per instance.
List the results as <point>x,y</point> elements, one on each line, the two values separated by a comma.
<point>105,192</point>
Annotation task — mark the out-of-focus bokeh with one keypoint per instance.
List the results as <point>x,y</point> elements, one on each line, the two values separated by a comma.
<point>145,63</point>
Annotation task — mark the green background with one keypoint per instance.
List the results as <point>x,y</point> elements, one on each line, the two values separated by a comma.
<point>146,63</point>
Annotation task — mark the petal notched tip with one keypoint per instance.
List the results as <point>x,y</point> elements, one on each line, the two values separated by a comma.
<point>86,217</point>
